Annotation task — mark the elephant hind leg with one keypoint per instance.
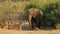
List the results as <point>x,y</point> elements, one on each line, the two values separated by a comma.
<point>32,26</point>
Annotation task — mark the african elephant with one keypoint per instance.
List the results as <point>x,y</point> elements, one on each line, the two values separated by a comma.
<point>35,16</point>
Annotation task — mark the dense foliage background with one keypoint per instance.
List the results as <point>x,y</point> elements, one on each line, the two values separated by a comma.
<point>13,10</point>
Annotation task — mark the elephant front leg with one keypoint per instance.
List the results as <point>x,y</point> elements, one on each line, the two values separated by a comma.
<point>31,22</point>
<point>30,16</point>
<point>32,25</point>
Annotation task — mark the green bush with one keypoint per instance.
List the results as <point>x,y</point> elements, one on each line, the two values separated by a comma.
<point>30,5</point>
<point>51,13</point>
<point>48,11</point>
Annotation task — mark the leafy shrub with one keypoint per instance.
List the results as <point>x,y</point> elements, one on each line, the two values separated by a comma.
<point>30,5</point>
<point>51,13</point>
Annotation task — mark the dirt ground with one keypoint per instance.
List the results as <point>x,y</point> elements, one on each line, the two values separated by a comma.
<point>5,31</point>
<point>25,30</point>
